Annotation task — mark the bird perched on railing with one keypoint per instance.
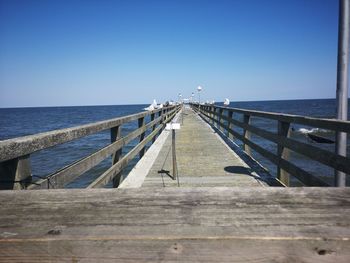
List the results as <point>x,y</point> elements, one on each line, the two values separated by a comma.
<point>154,106</point>
<point>226,102</point>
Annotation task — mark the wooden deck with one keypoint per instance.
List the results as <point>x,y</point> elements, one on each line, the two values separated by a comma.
<point>203,159</point>
<point>220,213</point>
<point>256,224</point>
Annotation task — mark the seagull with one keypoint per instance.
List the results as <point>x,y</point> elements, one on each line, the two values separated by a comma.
<point>153,106</point>
<point>227,102</point>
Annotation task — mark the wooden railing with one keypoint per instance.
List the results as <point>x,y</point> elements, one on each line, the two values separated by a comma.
<point>15,168</point>
<point>285,168</point>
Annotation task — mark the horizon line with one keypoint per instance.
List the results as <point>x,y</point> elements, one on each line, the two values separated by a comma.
<point>142,104</point>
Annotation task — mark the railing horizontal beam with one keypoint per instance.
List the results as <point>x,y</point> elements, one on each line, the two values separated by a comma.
<point>329,124</point>
<point>338,162</point>
<point>122,163</point>
<point>13,148</point>
<point>297,172</point>
<point>68,174</point>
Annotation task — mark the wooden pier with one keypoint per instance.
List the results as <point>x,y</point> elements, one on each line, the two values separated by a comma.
<point>203,160</point>
<point>222,208</point>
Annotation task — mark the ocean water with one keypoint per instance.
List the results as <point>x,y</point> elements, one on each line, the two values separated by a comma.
<point>16,122</point>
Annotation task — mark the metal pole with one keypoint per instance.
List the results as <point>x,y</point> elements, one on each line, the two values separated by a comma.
<point>342,82</point>
<point>174,154</point>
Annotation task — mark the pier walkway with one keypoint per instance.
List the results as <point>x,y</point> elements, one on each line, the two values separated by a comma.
<point>220,213</point>
<point>203,159</point>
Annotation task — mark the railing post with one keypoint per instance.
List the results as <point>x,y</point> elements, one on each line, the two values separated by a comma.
<point>15,173</point>
<point>212,115</point>
<point>142,136</point>
<point>160,114</point>
<point>220,119</point>
<point>283,130</point>
<point>166,115</point>
<point>246,134</point>
<point>116,134</point>
<point>230,124</point>
<point>217,119</point>
<point>153,127</point>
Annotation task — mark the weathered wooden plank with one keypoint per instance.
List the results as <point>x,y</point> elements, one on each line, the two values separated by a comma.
<point>187,224</point>
<point>283,130</point>
<point>12,148</point>
<point>67,174</point>
<point>177,250</point>
<point>141,123</point>
<point>116,134</point>
<point>246,134</point>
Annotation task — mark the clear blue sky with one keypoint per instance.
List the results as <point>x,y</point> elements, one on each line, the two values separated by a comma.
<point>128,52</point>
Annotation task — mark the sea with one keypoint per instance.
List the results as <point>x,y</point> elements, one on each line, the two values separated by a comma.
<point>16,122</point>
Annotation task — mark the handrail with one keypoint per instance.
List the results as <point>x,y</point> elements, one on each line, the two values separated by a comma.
<point>329,124</point>
<point>15,153</point>
<point>285,168</point>
<point>13,148</point>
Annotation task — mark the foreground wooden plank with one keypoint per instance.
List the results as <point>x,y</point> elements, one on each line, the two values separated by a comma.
<point>187,224</point>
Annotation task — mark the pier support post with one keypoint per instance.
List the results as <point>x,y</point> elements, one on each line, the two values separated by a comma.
<point>342,82</point>
<point>220,119</point>
<point>212,115</point>
<point>230,124</point>
<point>15,173</point>
<point>142,136</point>
<point>160,114</point>
<point>115,135</point>
<point>282,152</point>
<point>153,127</point>
<point>246,134</point>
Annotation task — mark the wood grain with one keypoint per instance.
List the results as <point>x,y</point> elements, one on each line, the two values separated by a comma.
<point>172,224</point>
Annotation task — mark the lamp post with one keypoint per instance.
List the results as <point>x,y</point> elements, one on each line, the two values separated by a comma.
<point>199,89</point>
<point>180,96</point>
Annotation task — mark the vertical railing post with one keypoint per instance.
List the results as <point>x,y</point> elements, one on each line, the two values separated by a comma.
<point>217,118</point>
<point>220,119</point>
<point>16,173</point>
<point>116,134</point>
<point>230,124</point>
<point>142,136</point>
<point>153,127</point>
<point>246,134</point>
<point>212,115</point>
<point>282,152</point>
<point>166,115</point>
<point>160,114</point>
